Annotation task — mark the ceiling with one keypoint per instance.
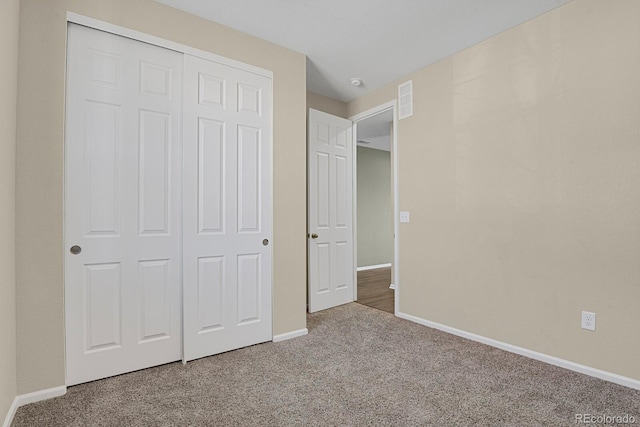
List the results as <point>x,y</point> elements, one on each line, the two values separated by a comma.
<point>378,41</point>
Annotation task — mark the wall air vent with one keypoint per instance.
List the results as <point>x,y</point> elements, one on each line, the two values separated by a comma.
<point>405,100</point>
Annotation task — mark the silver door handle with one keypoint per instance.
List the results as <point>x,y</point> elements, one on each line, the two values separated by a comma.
<point>75,249</point>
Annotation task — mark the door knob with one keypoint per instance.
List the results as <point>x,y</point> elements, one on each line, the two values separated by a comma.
<point>314,236</point>
<point>75,249</point>
<point>265,242</point>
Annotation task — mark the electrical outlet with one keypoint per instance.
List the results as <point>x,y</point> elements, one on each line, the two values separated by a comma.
<point>588,321</point>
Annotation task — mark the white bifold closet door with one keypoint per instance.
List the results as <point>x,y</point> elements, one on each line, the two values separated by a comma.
<point>167,206</point>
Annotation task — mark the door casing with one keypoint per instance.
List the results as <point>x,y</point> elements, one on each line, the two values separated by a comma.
<point>391,105</point>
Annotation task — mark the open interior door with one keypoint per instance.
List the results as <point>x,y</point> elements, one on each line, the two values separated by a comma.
<point>330,228</point>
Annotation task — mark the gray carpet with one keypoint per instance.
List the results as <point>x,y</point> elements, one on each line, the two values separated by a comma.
<point>358,366</point>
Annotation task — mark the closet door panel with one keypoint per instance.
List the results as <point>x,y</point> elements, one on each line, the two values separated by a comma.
<point>227,208</point>
<point>123,205</point>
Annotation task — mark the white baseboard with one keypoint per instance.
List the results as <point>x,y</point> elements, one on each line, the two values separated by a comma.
<point>36,396</point>
<point>552,360</point>
<point>12,413</point>
<point>290,335</point>
<point>373,267</point>
<point>392,286</point>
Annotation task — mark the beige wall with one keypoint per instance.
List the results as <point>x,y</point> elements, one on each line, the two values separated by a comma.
<point>521,170</point>
<point>375,219</point>
<point>9,14</point>
<point>40,165</point>
<point>327,105</point>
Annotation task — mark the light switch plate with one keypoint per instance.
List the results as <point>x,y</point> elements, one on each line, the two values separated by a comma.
<point>404,216</point>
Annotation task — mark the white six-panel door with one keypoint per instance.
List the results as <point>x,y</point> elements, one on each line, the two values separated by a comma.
<point>165,204</point>
<point>330,165</point>
<point>123,159</point>
<point>227,206</point>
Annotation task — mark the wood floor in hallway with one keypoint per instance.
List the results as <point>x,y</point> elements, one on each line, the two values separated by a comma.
<point>373,289</point>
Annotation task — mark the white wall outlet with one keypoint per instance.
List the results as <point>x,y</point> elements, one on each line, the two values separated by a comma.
<point>404,216</point>
<point>588,320</point>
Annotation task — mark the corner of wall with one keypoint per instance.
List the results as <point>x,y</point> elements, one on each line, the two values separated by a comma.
<point>9,30</point>
<point>326,105</point>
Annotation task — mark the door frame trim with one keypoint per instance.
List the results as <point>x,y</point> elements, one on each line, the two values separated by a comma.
<point>391,105</point>
<point>168,44</point>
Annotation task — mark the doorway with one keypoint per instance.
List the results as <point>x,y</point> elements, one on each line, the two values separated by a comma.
<point>332,206</point>
<point>374,211</point>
